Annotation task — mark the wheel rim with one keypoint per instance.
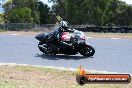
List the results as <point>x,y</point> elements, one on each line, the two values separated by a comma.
<point>88,51</point>
<point>46,50</point>
<point>42,49</point>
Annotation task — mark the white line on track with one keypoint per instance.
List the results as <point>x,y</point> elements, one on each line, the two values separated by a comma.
<point>115,38</point>
<point>89,37</point>
<point>61,68</point>
<point>15,34</point>
<point>108,38</point>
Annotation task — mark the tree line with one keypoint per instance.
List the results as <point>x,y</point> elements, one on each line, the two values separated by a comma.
<point>26,11</point>
<point>90,12</point>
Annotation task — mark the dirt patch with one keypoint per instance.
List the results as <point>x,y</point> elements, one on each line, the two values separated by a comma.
<point>88,34</point>
<point>20,32</point>
<point>109,35</point>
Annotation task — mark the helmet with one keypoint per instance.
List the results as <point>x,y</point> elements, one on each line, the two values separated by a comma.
<point>64,25</point>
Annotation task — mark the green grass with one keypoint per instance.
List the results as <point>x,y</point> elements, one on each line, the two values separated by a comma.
<point>5,84</point>
<point>2,30</point>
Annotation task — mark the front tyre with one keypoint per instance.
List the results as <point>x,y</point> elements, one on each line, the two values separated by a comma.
<point>87,51</point>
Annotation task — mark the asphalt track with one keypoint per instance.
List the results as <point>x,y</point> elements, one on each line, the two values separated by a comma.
<point>113,55</point>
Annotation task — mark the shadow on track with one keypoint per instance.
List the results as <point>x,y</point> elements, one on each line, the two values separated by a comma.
<point>57,57</point>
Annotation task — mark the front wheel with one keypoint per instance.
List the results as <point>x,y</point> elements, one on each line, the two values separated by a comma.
<point>87,51</point>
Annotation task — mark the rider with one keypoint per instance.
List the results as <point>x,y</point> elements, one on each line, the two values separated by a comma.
<point>54,38</point>
<point>64,28</point>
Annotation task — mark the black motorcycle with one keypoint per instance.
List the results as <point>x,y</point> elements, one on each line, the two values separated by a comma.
<point>68,43</point>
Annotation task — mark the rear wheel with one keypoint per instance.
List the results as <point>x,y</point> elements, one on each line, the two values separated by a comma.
<point>87,51</point>
<point>45,49</point>
<point>42,47</point>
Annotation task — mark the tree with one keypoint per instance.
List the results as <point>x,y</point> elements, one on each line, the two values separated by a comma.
<point>7,6</point>
<point>20,15</point>
<point>44,11</point>
<point>124,17</point>
<point>94,12</point>
<point>13,6</point>
<point>1,18</point>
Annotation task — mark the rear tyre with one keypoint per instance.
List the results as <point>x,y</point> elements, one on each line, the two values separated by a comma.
<point>87,51</point>
<point>41,47</point>
<point>45,49</point>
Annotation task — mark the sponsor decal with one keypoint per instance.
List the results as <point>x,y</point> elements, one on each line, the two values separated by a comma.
<point>83,78</point>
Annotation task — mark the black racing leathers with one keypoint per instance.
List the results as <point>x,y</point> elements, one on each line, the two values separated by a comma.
<point>53,39</point>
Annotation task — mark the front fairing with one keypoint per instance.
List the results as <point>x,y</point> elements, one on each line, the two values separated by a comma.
<point>79,37</point>
<point>66,36</point>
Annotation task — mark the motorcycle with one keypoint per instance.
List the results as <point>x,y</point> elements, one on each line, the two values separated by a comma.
<point>73,43</point>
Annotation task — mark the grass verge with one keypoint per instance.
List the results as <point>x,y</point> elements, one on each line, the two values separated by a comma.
<point>40,77</point>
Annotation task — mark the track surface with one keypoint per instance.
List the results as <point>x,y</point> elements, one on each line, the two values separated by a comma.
<point>114,55</point>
